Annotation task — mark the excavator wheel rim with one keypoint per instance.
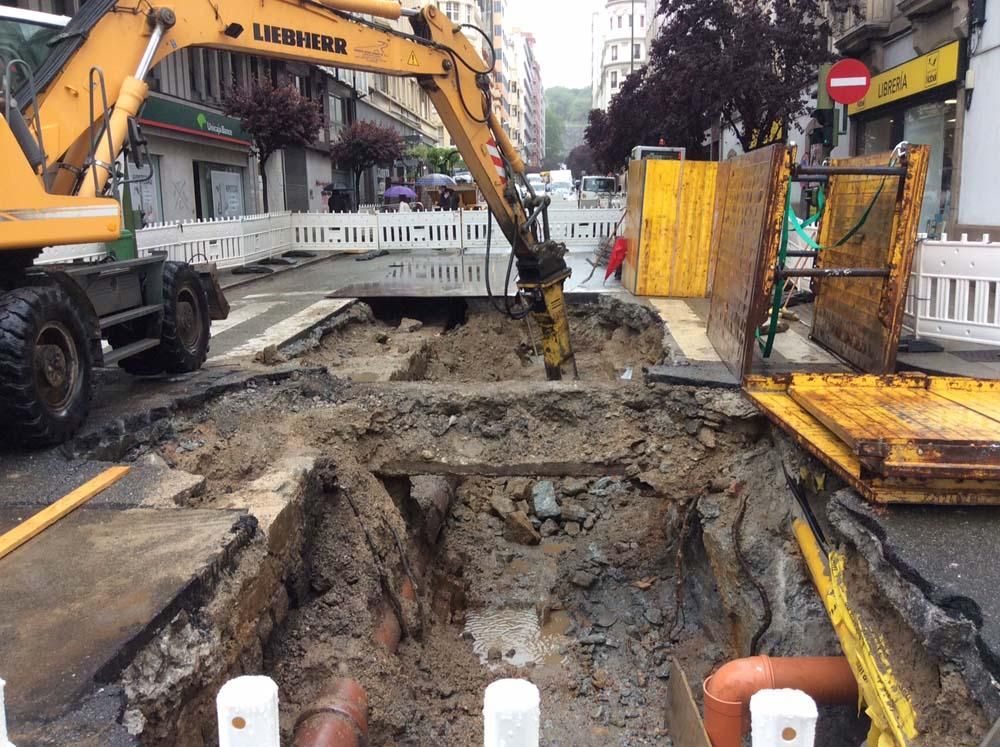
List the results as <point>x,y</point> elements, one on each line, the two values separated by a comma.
<point>188,326</point>
<point>56,367</point>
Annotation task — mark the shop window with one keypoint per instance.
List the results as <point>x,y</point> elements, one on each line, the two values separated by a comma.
<point>219,190</point>
<point>933,124</point>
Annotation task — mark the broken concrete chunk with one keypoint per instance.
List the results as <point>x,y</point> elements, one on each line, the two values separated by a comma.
<point>574,512</point>
<point>270,356</point>
<point>572,529</point>
<point>501,505</point>
<point>523,507</point>
<point>583,579</point>
<point>543,496</point>
<point>549,527</point>
<point>410,325</point>
<point>518,529</point>
<point>519,488</point>
<point>574,486</point>
<point>706,437</point>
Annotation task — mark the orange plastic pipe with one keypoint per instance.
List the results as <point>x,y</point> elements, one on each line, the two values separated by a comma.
<point>339,718</point>
<point>826,679</point>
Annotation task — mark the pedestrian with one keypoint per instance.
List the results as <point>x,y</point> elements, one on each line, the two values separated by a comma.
<point>404,205</point>
<point>332,202</point>
<point>444,201</point>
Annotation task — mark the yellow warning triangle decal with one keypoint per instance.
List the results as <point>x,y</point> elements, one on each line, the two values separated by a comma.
<point>412,62</point>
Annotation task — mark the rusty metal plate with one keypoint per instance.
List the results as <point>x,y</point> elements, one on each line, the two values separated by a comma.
<point>750,205</point>
<point>895,439</point>
<point>860,319</point>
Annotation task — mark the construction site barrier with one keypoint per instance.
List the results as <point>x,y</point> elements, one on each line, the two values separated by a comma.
<point>954,291</point>
<point>234,242</point>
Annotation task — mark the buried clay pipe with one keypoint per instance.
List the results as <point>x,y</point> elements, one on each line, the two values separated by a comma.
<point>826,679</point>
<point>339,718</point>
<point>390,631</point>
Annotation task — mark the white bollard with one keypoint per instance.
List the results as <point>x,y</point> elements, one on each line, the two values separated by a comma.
<point>4,741</point>
<point>782,718</point>
<point>511,714</point>
<point>247,708</point>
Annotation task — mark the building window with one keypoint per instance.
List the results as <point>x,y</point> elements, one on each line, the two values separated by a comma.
<point>642,22</point>
<point>614,52</point>
<point>621,21</point>
<point>637,52</point>
<point>614,80</point>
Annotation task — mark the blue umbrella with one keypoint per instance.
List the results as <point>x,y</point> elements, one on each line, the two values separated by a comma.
<point>398,191</point>
<point>436,180</point>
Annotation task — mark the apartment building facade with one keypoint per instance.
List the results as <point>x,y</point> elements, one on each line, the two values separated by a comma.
<point>936,81</point>
<point>619,46</point>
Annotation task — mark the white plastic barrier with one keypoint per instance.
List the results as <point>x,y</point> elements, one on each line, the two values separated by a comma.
<point>335,231</point>
<point>240,241</point>
<point>4,741</point>
<point>955,291</point>
<point>782,718</point>
<point>511,714</point>
<point>247,708</point>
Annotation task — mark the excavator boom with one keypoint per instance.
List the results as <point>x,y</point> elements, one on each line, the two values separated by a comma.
<point>109,47</point>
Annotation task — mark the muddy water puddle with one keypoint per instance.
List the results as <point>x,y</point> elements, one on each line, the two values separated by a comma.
<point>517,637</point>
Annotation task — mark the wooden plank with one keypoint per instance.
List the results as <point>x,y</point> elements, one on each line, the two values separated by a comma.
<point>692,247</point>
<point>407,467</point>
<point>633,226</point>
<point>662,194</point>
<point>683,718</point>
<point>49,515</point>
<point>894,415</point>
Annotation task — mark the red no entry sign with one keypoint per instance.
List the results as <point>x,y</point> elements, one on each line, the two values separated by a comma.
<point>848,81</point>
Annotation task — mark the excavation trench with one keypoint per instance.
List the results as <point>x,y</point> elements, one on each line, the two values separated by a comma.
<point>430,534</point>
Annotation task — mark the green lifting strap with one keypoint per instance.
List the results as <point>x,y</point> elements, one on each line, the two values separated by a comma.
<point>767,345</point>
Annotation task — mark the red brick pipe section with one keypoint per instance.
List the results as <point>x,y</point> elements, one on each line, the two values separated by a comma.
<point>826,679</point>
<point>339,718</point>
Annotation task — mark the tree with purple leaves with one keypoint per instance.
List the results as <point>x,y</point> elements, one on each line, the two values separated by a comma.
<point>365,144</point>
<point>745,63</point>
<point>275,117</point>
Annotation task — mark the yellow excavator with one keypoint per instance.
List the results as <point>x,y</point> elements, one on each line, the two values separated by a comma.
<point>68,120</point>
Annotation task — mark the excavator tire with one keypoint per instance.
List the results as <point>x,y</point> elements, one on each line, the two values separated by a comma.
<point>46,367</point>
<point>185,333</point>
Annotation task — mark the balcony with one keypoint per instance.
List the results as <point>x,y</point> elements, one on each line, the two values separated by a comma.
<point>912,8</point>
<point>854,32</point>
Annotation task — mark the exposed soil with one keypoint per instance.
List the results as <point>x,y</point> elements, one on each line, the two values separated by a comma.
<point>570,551</point>
<point>450,341</point>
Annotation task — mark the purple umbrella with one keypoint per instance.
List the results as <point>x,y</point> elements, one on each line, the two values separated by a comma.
<point>398,191</point>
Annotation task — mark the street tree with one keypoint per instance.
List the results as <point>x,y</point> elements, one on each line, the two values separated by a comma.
<point>555,138</point>
<point>366,144</point>
<point>581,161</point>
<point>745,63</point>
<point>440,160</point>
<point>275,117</point>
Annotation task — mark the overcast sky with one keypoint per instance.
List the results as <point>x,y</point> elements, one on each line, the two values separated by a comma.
<point>562,28</point>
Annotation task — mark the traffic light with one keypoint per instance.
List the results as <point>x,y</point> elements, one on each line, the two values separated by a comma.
<point>826,130</point>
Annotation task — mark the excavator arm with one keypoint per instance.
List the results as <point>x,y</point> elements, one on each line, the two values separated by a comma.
<point>110,46</point>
